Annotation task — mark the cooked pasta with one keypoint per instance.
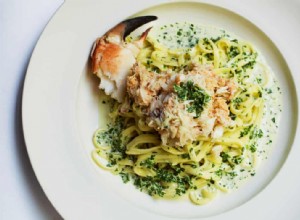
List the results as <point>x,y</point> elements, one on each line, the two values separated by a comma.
<point>193,120</point>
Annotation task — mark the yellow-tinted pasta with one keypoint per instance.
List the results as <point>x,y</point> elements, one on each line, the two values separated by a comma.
<point>202,167</point>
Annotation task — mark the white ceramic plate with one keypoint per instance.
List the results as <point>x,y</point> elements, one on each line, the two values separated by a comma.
<point>60,114</point>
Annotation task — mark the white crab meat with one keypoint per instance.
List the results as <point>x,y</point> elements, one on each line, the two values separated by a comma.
<point>112,58</point>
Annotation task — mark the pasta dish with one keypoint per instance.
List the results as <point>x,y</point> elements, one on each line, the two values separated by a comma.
<point>188,108</point>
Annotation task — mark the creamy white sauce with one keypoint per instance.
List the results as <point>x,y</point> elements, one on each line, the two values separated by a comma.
<point>269,126</point>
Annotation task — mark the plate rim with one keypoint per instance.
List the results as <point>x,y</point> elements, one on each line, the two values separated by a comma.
<point>153,3</point>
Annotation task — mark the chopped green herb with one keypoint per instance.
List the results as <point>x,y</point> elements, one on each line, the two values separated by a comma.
<point>273,120</point>
<point>225,157</point>
<point>191,92</point>
<point>155,185</point>
<point>259,80</point>
<point>215,39</point>
<point>149,162</point>
<point>237,159</point>
<point>253,148</point>
<point>232,116</point>
<point>112,136</point>
<point>245,131</point>
<point>151,186</point>
<point>219,172</point>
<point>237,101</point>
<point>256,133</point>
<point>125,177</point>
<point>233,52</point>
<point>231,174</point>
<point>185,156</point>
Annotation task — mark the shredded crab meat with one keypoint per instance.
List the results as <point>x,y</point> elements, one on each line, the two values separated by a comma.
<point>163,111</point>
<point>113,57</point>
<point>115,60</point>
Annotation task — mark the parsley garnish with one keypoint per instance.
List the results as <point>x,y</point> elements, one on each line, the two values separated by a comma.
<point>225,157</point>
<point>245,131</point>
<point>273,120</point>
<point>155,185</point>
<point>149,184</point>
<point>232,116</point>
<point>256,133</point>
<point>219,172</point>
<point>237,159</point>
<point>112,136</point>
<point>189,91</point>
<point>237,101</point>
<point>125,177</point>
<point>233,52</point>
<point>252,148</point>
<point>149,162</point>
<point>231,174</point>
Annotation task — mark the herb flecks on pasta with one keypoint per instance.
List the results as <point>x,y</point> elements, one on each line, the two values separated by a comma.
<point>191,121</point>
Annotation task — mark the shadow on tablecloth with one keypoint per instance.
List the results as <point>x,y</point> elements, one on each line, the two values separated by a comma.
<point>38,195</point>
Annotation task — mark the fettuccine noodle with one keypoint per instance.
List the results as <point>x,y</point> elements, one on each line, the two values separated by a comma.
<point>207,165</point>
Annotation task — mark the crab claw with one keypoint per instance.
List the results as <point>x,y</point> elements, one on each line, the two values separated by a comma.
<point>112,58</point>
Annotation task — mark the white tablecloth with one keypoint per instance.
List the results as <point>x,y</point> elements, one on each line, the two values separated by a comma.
<point>21,23</point>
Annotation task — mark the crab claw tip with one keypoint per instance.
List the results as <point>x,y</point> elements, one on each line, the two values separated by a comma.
<point>124,28</point>
<point>133,23</point>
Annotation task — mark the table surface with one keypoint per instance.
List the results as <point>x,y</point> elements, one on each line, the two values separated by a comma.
<point>21,23</point>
